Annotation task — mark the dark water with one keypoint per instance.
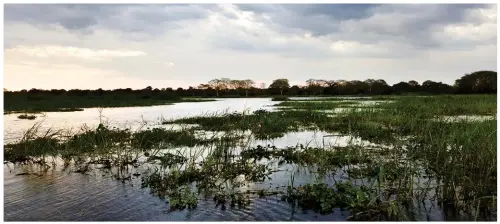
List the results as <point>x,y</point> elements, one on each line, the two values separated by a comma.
<point>69,196</point>
<point>63,195</point>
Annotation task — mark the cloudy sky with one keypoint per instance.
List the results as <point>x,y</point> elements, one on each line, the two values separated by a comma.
<point>120,46</point>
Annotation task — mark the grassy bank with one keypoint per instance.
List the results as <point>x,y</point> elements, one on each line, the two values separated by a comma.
<point>67,104</point>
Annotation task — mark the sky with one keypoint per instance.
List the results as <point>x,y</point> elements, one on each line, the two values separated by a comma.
<point>90,46</point>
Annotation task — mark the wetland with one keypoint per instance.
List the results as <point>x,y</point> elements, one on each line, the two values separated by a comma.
<point>369,159</point>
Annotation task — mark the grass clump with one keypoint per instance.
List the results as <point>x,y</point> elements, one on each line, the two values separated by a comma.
<point>362,202</point>
<point>26,117</point>
<point>280,98</point>
<point>263,124</point>
<point>316,105</point>
<point>182,199</point>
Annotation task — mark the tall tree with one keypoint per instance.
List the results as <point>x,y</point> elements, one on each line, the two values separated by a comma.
<point>316,86</point>
<point>281,84</point>
<point>216,84</point>
<point>247,84</point>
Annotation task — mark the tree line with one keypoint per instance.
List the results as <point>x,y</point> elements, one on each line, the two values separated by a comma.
<point>479,82</point>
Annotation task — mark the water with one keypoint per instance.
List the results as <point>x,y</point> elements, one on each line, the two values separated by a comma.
<point>130,116</point>
<point>66,195</point>
<point>69,196</point>
<point>62,195</point>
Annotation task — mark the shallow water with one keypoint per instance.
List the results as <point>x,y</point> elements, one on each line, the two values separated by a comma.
<point>72,196</point>
<point>67,196</point>
<point>130,116</point>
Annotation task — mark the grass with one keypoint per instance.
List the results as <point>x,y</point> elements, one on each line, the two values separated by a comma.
<point>263,124</point>
<point>452,164</point>
<point>280,98</point>
<point>103,140</point>
<point>445,105</point>
<point>317,105</point>
<point>67,104</point>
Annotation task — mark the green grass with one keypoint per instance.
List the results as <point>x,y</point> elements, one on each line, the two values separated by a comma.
<point>263,124</point>
<point>445,105</point>
<point>280,98</point>
<point>103,141</point>
<point>317,105</point>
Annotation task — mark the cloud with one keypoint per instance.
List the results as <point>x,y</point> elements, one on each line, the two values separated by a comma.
<point>141,20</point>
<point>166,64</point>
<point>82,53</point>
<point>196,43</point>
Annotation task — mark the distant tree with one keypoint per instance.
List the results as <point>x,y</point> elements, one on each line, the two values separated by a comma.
<point>294,90</point>
<point>204,87</point>
<point>379,86</point>
<point>316,86</point>
<point>401,87</point>
<point>217,84</point>
<point>247,84</point>
<point>192,90</point>
<point>436,87</point>
<point>234,84</point>
<point>477,82</point>
<point>225,83</point>
<point>415,86</point>
<point>100,92</point>
<point>281,84</point>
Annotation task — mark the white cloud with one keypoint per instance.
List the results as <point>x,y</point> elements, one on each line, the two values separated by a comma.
<point>167,64</point>
<point>63,51</point>
<point>392,42</point>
